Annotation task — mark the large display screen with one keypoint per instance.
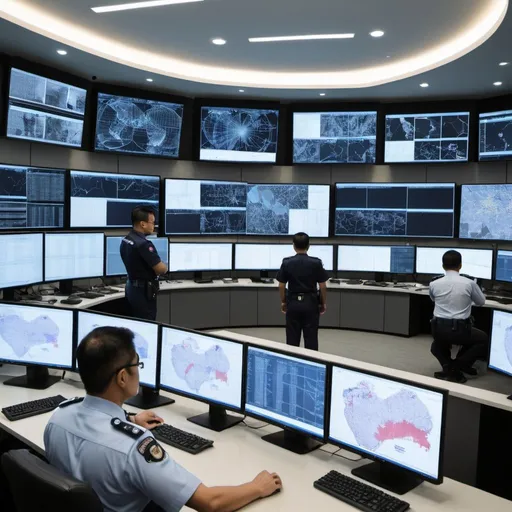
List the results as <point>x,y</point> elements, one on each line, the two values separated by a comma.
<point>197,257</point>
<point>500,356</point>
<point>138,126</point>
<point>31,197</point>
<point>395,259</point>
<point>238,134</point>
<point>398,210</point>
<point>21,259</point>
<point>427,137</point>
<point>45,110</point>
<point>504,266</point>
<point>106,200</point>
<point>496,135</point>
<point>334,137</point>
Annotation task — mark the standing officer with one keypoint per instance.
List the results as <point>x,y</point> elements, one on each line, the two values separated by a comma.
<point>302,304</point>
<point>453,296</point>
<point>143,265</point>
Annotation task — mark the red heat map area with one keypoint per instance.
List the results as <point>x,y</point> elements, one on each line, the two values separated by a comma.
<point>402,430</point>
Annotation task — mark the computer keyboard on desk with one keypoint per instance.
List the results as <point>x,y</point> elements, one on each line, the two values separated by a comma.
<point>354,281</point>
<point>93,295</point>
<point>381,284</point>
<point>502,300</point>
<point>180,439</point>
<point>359,495</point>
<point>32,408</point>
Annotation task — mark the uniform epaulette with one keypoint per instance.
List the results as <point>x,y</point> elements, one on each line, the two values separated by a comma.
<point>71,401</point>
<point>127,428</point>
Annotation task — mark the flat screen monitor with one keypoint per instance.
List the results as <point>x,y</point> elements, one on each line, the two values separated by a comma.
<point>500,356</point>
<point>334,137</point>
<point>393,259</point>
<point>288,209</point>
<point>205,207</point>
<point>484,212</point>
<point>395,209</point>
<point>198,257</point>
<point>238,134</point>
<point>45,110</point>
<point>475,262</point>
<point>31,197</point>
<point>21,260</point>
<point>145,340</point>
<point>138,126</point>
<point>73,255</point>
<point>504,266</point>
<point>106,200</point>
<point>496,135</point>
<point>440,137</point>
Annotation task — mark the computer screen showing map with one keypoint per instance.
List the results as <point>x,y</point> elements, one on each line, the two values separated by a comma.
<point>500,356</point>
<point>504,266</point>
<point>21,259</point>
<point>395,259</point>
<point>496,135</point>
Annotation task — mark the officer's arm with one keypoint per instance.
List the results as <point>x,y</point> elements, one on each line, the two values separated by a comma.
<point>477,295</point>
<point>282,292</point>
<point>160,268</point>
<point>323,294</point>
<point>151,257</point>
<point>431,293</point>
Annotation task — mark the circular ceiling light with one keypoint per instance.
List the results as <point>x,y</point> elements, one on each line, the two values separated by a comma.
<point>322,94</point>
<point>504,63</point>
<point>241,90</point>
<point>424,85</point>
<point>62,52</point>
<point>497,84</point>
<point>377,33</point>
<point>149,79</point>
<point>218,41</point>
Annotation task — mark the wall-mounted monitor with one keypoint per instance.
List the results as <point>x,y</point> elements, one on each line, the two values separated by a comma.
<point>21,259</point>
<point>442,137</point>
<point>395,209</point>
<point>106,200</point>
<point>45,110</point>
<point>334,137</point>
<point>394,259</point>
<point>198,257</point>
<point>138,126</point>
<point>504,266</point>
<point>496,135</point>
<point>500,356</point>
<point>31,197</point>
<point>233,134</point>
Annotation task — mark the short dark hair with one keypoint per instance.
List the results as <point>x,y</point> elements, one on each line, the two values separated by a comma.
<point>103,351</point>
<point>141,214</point>
<point>452,260</point>
<point>301,241</point>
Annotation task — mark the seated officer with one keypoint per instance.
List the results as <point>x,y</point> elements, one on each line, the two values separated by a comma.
<point>95,442</point>
<point>454,295</point>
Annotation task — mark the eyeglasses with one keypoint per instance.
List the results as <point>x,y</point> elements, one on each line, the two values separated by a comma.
<point>139,363</point>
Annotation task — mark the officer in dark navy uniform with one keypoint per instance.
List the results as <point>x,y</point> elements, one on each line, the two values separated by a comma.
<point>303,304</point>
<point>143,265</point>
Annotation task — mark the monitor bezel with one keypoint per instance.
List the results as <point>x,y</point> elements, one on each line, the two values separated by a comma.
<point>495,273</point>
<point>491,367</point>
<point>489,106</point>
<point>202,243</point>
<point>504,158</point>
<point>414,247</point>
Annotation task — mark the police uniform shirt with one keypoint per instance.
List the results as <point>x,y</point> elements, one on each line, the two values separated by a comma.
<point>139,256</point>
<point>127,472</point>
<point>454,295</point>
<point>302,273</point>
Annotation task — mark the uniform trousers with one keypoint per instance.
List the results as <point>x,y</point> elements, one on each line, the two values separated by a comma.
<point>302,316</point>
<point>139,304</point>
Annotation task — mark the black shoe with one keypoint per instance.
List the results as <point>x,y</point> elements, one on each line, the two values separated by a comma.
<point>442,375</point>
<point>451,376</point>
<point>470,371</point>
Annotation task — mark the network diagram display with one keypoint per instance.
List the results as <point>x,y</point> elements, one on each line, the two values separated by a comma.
<point>238,134</point>
<point>139,126</point>
<point>36,336</point>
<point>475,262</point>
<point>334,137</point>
<point>390,420</point>
<point>203,207</point>
<point>202,366</point>
<point>496,135</point>
<point>103,200</point>
<point>197,257</point>
<point>73,255</point>
<point>288,209</point>
<point>427,137</point>
<point>500,357</point>
<point>31,197</point>
<point>286,390</point>
<point>395,259</point>
<point>399,210</point>
<point>145,340</point>
<point>21,260</point>
<point>45,110</point>
<point>504,266</point>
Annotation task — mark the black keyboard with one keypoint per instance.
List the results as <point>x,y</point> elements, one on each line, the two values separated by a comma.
<point>502,300</point>
<point>354,281</point>
<point>359,495</point>
<point>33,408</point>
<point>180,439</point>
<point>93,295</point>
<point>381,284</point>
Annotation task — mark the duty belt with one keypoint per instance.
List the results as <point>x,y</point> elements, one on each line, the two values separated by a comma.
<point>454,323</point>
<point>139,283</point>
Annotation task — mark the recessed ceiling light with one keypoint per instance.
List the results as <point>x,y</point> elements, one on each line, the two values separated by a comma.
<point>497,84</point>
<point>139,5</point>
<point>377,33</point>
<point>504,63</point>
<point>308,37</point>
<point>241,90</point>
<point>149,79</point>
<point>388,56</point>
<point>62,52</point>
<point>322,94</point>
<point>424,84</point>
<point>218,41</point>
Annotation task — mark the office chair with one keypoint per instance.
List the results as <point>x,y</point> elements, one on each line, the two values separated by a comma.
<point>35,485</point>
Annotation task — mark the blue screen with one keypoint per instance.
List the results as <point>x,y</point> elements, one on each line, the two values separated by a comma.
<point>504,266</point>
<point>496,135</point>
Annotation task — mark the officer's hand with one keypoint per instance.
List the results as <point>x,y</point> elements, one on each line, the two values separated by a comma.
<point>267,483</point>
<point>148,419</point>
<point>323,308</point>
<point>283,307</point>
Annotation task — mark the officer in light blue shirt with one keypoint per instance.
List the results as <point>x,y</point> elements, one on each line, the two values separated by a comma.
<point>96,442</point>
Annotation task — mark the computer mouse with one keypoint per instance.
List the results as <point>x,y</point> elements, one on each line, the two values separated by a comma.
<point>52,301</point>
<point>276,491</point>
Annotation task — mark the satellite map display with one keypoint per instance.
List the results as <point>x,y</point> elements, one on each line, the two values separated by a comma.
<point>496,135</point>
<point>501,342</point>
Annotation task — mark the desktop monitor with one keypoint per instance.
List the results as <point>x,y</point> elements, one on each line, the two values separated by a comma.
<point>398,424</point>
<point>500,356</point>
<point>389,259</point>
<point>207,368</point>
<point>288,391</point>
<point>496,135</point>
<point>106,200</point>
<point>197,257</point>
<point>31,197</point>
<point>504,266</point>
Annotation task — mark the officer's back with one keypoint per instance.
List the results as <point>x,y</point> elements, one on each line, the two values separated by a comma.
<point>303,273</point>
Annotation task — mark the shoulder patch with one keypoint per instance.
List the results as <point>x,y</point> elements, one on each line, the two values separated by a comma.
<point>151,450</point>
<point>71,401</point>
<point>151,248</point>
<point>127,428</point>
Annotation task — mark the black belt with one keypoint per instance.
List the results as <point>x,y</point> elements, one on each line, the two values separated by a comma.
<point>139,283</point>
<point>300,296</point>
<point>454,323</point>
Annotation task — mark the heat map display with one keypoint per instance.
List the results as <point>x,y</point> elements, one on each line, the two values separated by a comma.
<point>500,357</point>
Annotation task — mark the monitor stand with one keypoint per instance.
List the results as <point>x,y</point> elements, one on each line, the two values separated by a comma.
<point>388,476</point>
<point>66,287</point>
<point>216,419</point>
<point>37,377</point>
<point>199,279</point>
<point>293,441</point>
<point>148,398</point>
<point>8,294</point>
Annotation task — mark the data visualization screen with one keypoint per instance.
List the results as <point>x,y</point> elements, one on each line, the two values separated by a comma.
<point>395,259</point>
<point>103,200</point>
<point>204,207</point>
<point>145,340</point>
<point>36,335</point>
<point>21,260</point>
<point>138,126</point>
<point>45,110</point>
<point>202,366</point>
<point>504,266</point>
<point>73,255</point>
<point>334,137</point>
<point>427,137</point>
<point>398,210</point>
<point>496,135</point>
<point>391,420</point>
<point>286,390</point>
<point>196,257</point>
<point>238,134</point>
<point>500,357</point>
